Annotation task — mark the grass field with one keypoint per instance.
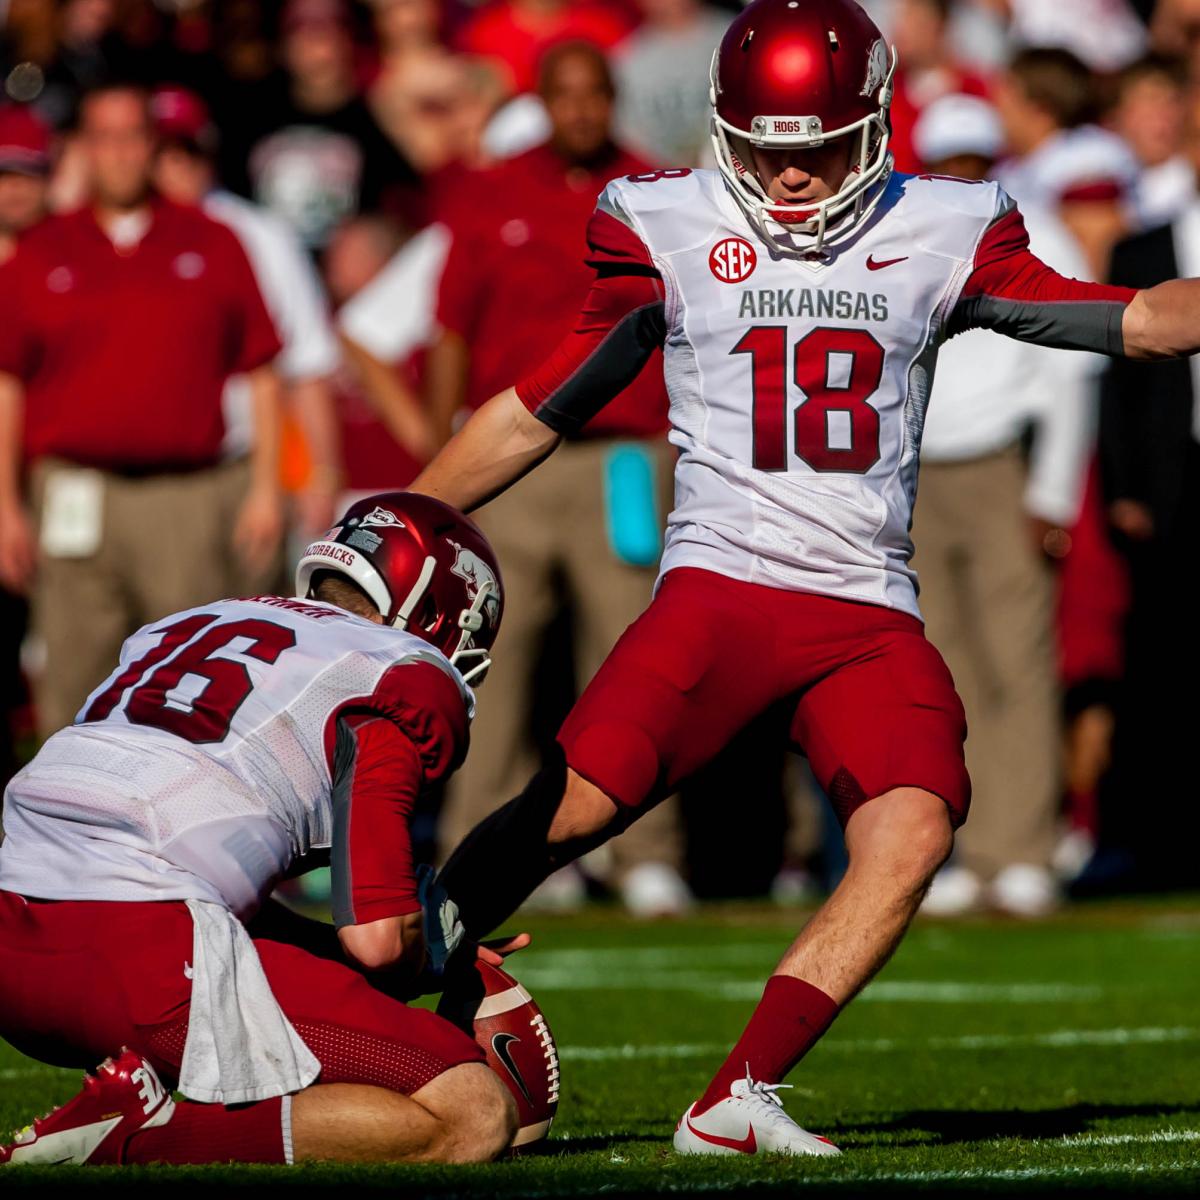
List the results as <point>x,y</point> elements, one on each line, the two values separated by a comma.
<point>989,1056</point>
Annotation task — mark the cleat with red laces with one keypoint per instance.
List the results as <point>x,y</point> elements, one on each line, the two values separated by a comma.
<point>750,1120</point>
<point>123,1097</point>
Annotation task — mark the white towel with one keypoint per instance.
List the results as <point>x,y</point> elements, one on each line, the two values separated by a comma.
<point>240,1047</point>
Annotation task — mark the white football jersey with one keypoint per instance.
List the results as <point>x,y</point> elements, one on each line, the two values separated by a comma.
<point>798,387</point>
<point>203,767</point>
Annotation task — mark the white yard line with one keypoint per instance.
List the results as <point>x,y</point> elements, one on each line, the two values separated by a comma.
<point>1158,1138</point>
<point>982,1174</point>
<point>1058,1039</point>
<point>1015,1174</point>
<point>715,987</point>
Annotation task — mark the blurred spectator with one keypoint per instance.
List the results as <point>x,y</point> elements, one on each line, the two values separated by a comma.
<point>88,53</point>
<point>384,287</point>
<point>512,286</point>
<point>1151,459</point>
<point>28,41</point>
<point>24,170</point>
<point>186,173</point>
<point>1106,35</point>
<point>1062,161</point>
<point>662,80</point>
<point>24,167</point>
<point>984,524</point>
<point>118,327</point>
<point>516,33</point>
<point>307,146</point>
<point>433,104</point>
<point>1093,602</point>
<point>927,70</point>
<point>1150,114</point>
<point>1175,31</point>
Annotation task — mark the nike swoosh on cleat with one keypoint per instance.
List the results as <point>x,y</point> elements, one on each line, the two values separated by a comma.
<point>873,265</point>
<point>746,1145</point>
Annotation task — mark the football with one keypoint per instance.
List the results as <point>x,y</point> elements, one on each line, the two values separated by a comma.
<point>509,1026</point>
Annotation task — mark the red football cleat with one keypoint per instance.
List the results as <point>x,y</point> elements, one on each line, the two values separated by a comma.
<point>122,1097</point>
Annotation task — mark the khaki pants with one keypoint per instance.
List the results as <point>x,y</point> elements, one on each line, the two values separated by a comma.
<point>164,546</point>
<point>986,596</point>
<point>551,526</point>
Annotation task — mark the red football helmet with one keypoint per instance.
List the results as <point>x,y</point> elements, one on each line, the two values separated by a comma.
<point>428,569</point>
<point>798,73</point>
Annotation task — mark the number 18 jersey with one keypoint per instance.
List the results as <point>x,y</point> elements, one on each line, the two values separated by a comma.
<point>798,387</point>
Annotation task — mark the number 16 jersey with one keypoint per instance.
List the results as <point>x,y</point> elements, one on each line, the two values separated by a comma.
<point>229,742</point>
<point>798,386</point>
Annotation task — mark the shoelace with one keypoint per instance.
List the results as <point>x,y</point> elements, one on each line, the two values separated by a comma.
<point>768,1096</point>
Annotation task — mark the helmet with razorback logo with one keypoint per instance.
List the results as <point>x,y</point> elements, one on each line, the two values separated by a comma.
<point>427,568</point>
<point>798,74</point>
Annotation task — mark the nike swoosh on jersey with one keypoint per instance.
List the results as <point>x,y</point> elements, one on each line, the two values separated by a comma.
<point>746,1145</point>
<point>500,1044</point>
<point>873,265</point>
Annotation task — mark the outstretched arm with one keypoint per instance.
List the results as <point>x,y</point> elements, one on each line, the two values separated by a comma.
<point>500,443</point>
<point>618,329</point>
<point>1013,292</point>
<point>1163,321</point>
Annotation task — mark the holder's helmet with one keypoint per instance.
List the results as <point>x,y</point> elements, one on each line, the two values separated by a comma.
<point>428,569</point>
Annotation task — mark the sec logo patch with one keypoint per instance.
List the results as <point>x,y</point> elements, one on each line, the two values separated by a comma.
<point>733,260</point>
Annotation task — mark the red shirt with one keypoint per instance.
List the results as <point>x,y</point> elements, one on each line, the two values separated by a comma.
<point>516,276</point>
<point>373,461</point>
<point>124,354</point>
<point>519,39</point>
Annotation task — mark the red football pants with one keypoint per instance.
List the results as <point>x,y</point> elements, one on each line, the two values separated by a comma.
<point>79,979</point>
<point>868,698</point>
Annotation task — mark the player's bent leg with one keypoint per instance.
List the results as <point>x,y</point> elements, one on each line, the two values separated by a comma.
<point>125,1115</point>
<point>465,1115</point>
<point>585,816</point>
<point>672,692</point>
<point>477,1112</point>
<point>555,820</point>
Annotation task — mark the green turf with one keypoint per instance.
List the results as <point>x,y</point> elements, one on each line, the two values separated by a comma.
<point>989,1056</point>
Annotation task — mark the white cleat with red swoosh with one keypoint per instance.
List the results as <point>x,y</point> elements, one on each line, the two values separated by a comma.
<point>751,1121</point>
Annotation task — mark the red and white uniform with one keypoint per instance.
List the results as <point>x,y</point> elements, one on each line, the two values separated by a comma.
<point>798,388</point>
<point>231,741</point>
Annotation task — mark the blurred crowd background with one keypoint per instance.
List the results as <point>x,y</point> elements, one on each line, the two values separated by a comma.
<point>260,258</point>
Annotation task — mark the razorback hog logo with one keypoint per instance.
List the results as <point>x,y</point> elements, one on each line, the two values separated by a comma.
<point>382,516</point>
<point>478,575</point>
<point>877,68</point>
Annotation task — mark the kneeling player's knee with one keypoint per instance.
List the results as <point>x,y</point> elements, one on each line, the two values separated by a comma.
<point>482,1125</point>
